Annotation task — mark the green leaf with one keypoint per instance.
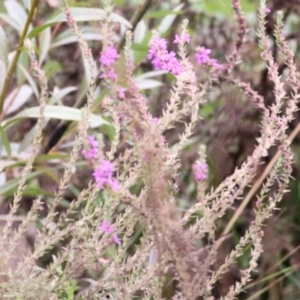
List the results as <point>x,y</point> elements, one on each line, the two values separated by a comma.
<point>56,112</point>
<point>30,80</point>
<point>17,98</point>
<point>3,48</point>
<point>144,84</point>
<point>27,3</point>
<point>167,21</point>
<point>151,74</point>
<point>67,36</point>
<point>11,185</point>
<point>6,163</point>
<point>24,62</point>
<point>51,67</point>
<point>51,156</point>
<point>17,12</point>
<point>5,141</point>
<point>161,14</point>
<point>27,139</point>
<point>140,32</point>
<point>80,14</point>
<point>10,21</point>
<point>220,8</point>
<point>3,57</point>
<point>29,191</point>
<point>45,44</point>
<point>60,94</point>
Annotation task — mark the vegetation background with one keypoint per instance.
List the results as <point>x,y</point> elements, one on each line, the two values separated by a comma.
<point>229,126</point>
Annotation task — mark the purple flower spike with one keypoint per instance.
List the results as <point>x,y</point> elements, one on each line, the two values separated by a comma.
<point>107,227</point>
<point>92,152</point>
<point>202,57</point>
<point>162,59</point>
<point>267,10</point>
<point>116,239</point>
<point>186,38</point>
<point>109,56</point>
<point>103,176</point>
<point>200,171</point>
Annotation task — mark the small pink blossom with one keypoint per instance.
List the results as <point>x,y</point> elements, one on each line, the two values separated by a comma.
<point>92,152</point>
<point>267,10</point>
<point>200,171</point>
<point>186,38</point>
<point>155,120</point>
<point>116,239</point>
<point>121,93</point>
<point>103,176</point>
<point>114,185</point>
<point>109,73</point>
<point>214,63</point>
<point>108,228</point>
<point>162,59</point>
<point>202,56</point>
<point>108,56</point>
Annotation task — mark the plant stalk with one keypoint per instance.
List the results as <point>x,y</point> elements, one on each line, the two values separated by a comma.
<point>17,55</point>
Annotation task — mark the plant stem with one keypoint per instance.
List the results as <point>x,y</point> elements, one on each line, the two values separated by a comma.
<point>258,183</point>
<point>139,13</point>
<point>18,52</point>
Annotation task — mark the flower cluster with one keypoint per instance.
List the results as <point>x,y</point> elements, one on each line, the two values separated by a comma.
<point>110,229</point>
<point>92,152</point>
<point>103,175</point>
<point>267,10</point>
<point>200,171</point>
<point>162,59</point>
<point>203,57</point>
<point>186,38</point>
<point>108,57</point>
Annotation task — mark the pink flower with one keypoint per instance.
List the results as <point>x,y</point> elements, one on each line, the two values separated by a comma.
<point>121,93</point>
<point>108,56</point>
<point>92,152</point>
<point>155,120</point>
<point>162,59</point>
<point>103,176</point>
<point>200,171</point>
<point>109,229</point>
<point>202,56</point>
<point>114,185</point>
<point>267,10</point>
<point>106,227</point>
<point>214,63</point>
<point>186,38</point>
<point>109,73</point>
<point>116,239</point>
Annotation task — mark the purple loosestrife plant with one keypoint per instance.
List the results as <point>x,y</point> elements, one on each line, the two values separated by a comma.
<point>92,151</point>
<point>200,171</point>
<point>107,58</point>
<point>149,164</point>
<point>203,58</point>
<point>103,175</point>
<point>161,58</point>
<point>109,229</point>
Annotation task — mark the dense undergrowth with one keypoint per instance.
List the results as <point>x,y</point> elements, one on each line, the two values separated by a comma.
<point>148,149</point>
